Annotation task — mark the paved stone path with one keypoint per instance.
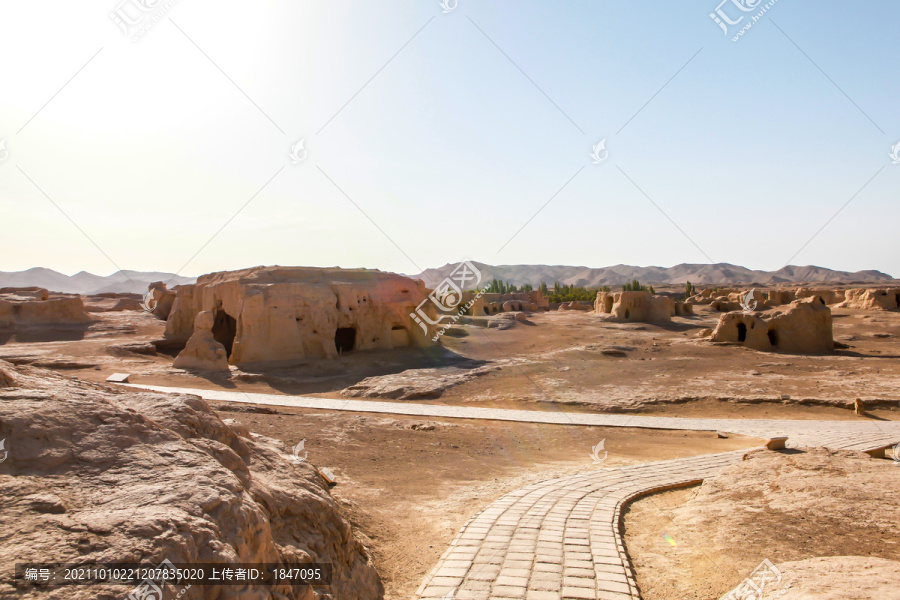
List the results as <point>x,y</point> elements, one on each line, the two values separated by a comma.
<point>840,434</point>
<point>558,539</point>
<point>561,539</point>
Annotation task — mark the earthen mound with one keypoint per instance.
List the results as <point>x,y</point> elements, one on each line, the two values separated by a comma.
<point>97,474</point>
<point>777,506</point>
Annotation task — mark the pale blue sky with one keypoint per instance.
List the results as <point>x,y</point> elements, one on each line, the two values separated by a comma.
<point>450,148</point>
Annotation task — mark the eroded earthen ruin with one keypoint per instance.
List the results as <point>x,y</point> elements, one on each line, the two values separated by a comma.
<point>37,306</point>
<point>803,327</point>
<point>637,306</point>
<point>283,314</point>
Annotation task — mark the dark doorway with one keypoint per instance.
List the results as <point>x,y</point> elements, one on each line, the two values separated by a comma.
<point>224,329</point>
<point>742,332</point>
<point>773,337</point>
<point>345,339</point>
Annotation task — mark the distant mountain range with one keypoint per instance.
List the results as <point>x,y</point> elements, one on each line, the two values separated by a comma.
<point>87,283</point>
<point>137,281</point>
<point>705,274</point>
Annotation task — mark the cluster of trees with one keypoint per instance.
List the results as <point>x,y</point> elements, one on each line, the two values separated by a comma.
<point>569,293</point>
<point>499,287</point>
<point>635,286</point>
<point>561,292</point>
<point>689,290</point>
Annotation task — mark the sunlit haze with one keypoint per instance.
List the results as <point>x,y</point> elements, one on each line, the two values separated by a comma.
<point>433,137</point>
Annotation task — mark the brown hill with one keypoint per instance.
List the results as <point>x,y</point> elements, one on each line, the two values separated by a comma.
<point>705,274</point>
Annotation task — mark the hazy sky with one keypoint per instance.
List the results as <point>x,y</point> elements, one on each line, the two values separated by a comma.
<point>432,137</point>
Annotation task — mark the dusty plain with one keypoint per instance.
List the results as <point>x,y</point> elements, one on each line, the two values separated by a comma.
<point>408,484</point>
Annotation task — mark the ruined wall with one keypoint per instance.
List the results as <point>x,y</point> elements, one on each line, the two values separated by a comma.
<point>683,309</point>
<point>803,327</point>
<point>872,299</point>
<point>583,305</point>
<point>604,302</point>
<point>491,303</point>
<point>278,314</point>
<point>36,306</point>
<point>162,299</point>
<point>635,306</point>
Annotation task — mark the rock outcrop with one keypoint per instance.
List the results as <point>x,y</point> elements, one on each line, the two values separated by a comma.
<point>415,384</point>
<point>36,306</point>
<point>286,314</point>
<point>101,475</point>
<point>803,327</point>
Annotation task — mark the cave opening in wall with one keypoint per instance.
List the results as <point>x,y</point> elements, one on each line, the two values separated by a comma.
<point>224,330</point>
<point>345,339</point>
<point>742,332</point>
<point>399,336</point>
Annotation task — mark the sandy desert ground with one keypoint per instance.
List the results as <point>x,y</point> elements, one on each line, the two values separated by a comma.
<point>408,483</point>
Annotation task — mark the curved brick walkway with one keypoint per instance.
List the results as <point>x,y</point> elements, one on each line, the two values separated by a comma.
<point>561,539</point>
<point>558,539</point>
